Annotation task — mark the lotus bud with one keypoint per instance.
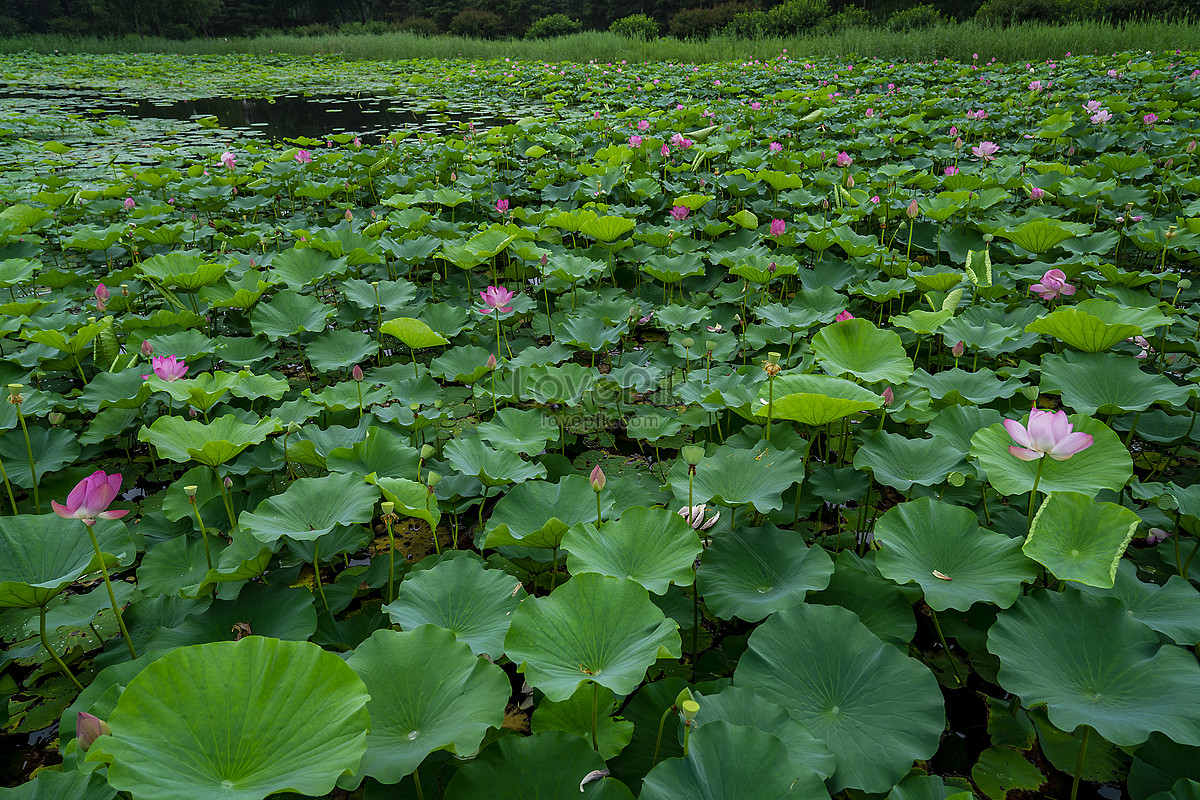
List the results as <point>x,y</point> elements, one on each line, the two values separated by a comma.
<point>912,209</point>
<point>958,349</point>
<point>89,728</point>
<point>432,479</point>
<point>426,451</point>
<point>889,397</point>
<point>102,293</point>
<point>690,709</point>
<point>597,479</point>
<point>228,482</point>
<point>491,362</point>
<point>691,454</point>
<point>1191,147</point>
<point>849,181</point>
<point>349,216</point>
<point>687,341</point>
<point>543,260</point>
<point>958,143</point>
<point>56,417</point>
<point>357,373</point>
<point>190,491</point>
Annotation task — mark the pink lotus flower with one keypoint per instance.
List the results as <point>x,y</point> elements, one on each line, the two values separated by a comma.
<point>844,159</point>
<point>774,147</point>
<point>89,728</point>
<point>842,317</point>
<point>502,205</point>
<point>1036,193</point>
<point>986,151</point>
<point>102,293</point>
<point>952,170</point>
<point>1092,106</point>
<point>168,368</point>
<point>870,112</point>
<point>1150,119</point>
<point>228,160</point>
<point>496,298</point>
<point>635,141</point>
<point>680,212</point>
<point>1100,117</point>
<point>889,397</point>
<point>597,479</point>
<point>643,125</point>
<point>1035,86</point>
<point>147,350</point>
<point>1048,434</point>
<point>129,204</point>
<point>90,499</point>
<point>303,156</point>
<point>778,226</point>
<point>1053,284</point>
<point>666,150</point>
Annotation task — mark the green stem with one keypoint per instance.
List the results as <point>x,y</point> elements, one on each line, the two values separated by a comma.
<point>598,514</point>
<point>226,500</point>
<point>1083,743</point>
<point>37,501</point>
<point>389,521</point>
<point>317,573</point>
<point>1033,494</point>
<point>203,531</point>
<point>770,404</point>
<point>8,486</point>
<point>937,626</point>
<point>554,571</point>
<point>417,785</point>
<point>662,721</point>
<point>595,709</point>
<point>112,597</point>
<point>54,655</point>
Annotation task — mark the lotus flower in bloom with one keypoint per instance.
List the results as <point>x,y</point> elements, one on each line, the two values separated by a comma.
<point>694,516</point>
<point>1150,119</point>
<point>502,205</point>
<point>643,125</point>
<point>952,170</point>
<point>129,204</point>
<point>90,498</point>
<point>303,156</point>
<point>985,150</point>
<point>635,141</point>
<point>774,147</point>
<point>102,293</point>
<point>1100,117</point>
<point>680,212</point>
<point>1053,284</point>
<point>228,160</point>
<point>169,368</point>
<point>496,298</point>
<point>844,159</point>
<point>1048,434</point>
<point>842,317</point>
<point>778,226</point>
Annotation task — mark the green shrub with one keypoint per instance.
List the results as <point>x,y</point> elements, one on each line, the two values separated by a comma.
<point>1173,10</point>
<point>316,29</point>
<point>1012,12</point>
<point>9,26</point>
<point>700,23</point>
<point>915,18</point>
<point>552,26</point>
<point>849,18</point>
<point>636,26</point>
<point>748,25</point>
<point>474,23</point>
<point>796,16</point>
<point>421,26</point>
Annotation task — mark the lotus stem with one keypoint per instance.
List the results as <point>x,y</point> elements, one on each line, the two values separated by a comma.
<point>937,626</point>
<point>8,486</point>
<point>228,502</point>
<point>1037,478</point>
<point>417,784</point>
<point>54,655</point>
<point>203,530</point>
<point>1083,743</point>
<point>317,573</point>
<point>554,570</point>
<point>662,721</point>
<point>37,500</point>
<point>112,597</point>
<point>595,704</point>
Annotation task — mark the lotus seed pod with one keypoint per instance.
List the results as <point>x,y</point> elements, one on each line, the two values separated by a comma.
<point>687,341</point>
<point>691,454</point>
<point>956,479</point>
<point>710,345</point>
<point>1030,392</point>
<point>1185,284</point>
<point>387,507</point>
<point>426,451</point>
<point>772,358</point>
<point>1166,502</point>
<point>190,491</point>
<point>690,709</point>
<point>56,417</point>
<point>432,479</point>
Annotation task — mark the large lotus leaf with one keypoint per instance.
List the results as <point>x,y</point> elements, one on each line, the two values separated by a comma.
<point>275,611</point>
<point>963,387</point>
<point>203,391</point>
<point>1183,789</point>
<point>413,332</point>
<point>1080,540</point>
<point>727,761</point>
<point>462,364</point>
<point>182,269</point>
<point>288,314</point>
<point>460,595</point>
<point>380,452</point>
<point>516,768</point>
<point>652,546</point>
<point>899,462</point>
<point>1104,465</point>
<point>918,786</point>
<point>876,708</point>
<point>40,555</point>
<point>211,444</point>
<point>739,706</point>
<point>749,573</point>
<point>115,390</point>
<point>53,448</point>
<point>558,384</point>
<point>1108,383</point>
<point>312,507</point>
<point>857,348</point>
<point>411,498</point>
<point>879,603</point>
<point>1172,609</point>
<point>520,431</point>
<point>1159,764</point>
<point>734,477</point>
<point>428,692</point>
<point>1089,663</point>
<point>305,266</point>
<point>472,457</point>
<point>385,294</point>
<point>1082,330</point>
<point>575,716</point>
<point>54,785</point>
<point>1001,770</point>
<point>941,548</point>
<point>593,627</point>
<point>1039,235</point>
<point>339,349</point>
<point>235,720</point>
<point>814,399</point>
<point>954,426</point>
<point>607,229</point>
<point>539,513</point>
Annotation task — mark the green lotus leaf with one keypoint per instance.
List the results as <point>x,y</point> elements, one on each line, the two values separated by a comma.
<point>592,628</point>
<point>312,507</point>
<point>563,384</point>
<point>726,761</point>
<point>749,573</point>
<point>965,388</point>
<point>472,457</point>
<point>942,549</point>
<point>1183,789</point>
<point>384,294</point>
<point>738,706</point>
<point>1102,760</point>
<point>235,720</point>
<point>954,426</point>
<point>339,349</point>
<point>305,266</point>
<point>40,555</point>
<point>856,347</point>
<point>1159,764</point>
<point>278,612</point>
<point>734,477</point>
<point>1039,235</point>
<point>182,269</point>
<point>413,333</point>
<point>1081,330</point>
<point>539,513</point>
<point>15,271</point>
<point>411,498</point>
<point>814,399</point>
<point>54,785</point>
<point>288,314</point>
<point>380,452</point>
<point>1080,540</point>
<point>899,462</point>
<point>462,364</point>
<point>877,709</point>
<point>514,768</point>
<point>574,715</point>
<point>460,595</point>
<point>1104,465</point>
<point>1108,383</point>
<point>202,392</point>
<point>929,787</point>
<point>252,387</point>
<point>211,444</point>
<point>428,692</point>
<point>519,431</point>
<point>1001,770</point>
<point>673,268</point>
<point>115,390</point>
<point>53,448</point>
<point>1076,654</point>
<point>1172,609</point>
<point>652,546</point>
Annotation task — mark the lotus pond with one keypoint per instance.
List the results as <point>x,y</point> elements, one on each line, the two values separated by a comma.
<point>757,430</point>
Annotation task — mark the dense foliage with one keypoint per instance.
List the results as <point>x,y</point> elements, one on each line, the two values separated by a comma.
<point>772,429</point>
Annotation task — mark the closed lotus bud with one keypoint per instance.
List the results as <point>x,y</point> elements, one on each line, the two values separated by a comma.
<point>958,143</point>
<point>357,373</point>
<point>691,454</point>
<point>849,181</point>
<point>190,491</point>
<point>958,349</point>
<point>431,479</point>
<point>89,728</point>
<point>597,479</point>
<point>543,260</point>
<point>349,216</point>
<point>710,345</point>
<point>889,397</point>
<point>491,362</point>
<point>426,451</point>
<point>228,482</point>
<point>912,209</point>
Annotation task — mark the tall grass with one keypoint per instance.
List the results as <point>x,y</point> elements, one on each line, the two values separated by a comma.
<point>1030,41</point>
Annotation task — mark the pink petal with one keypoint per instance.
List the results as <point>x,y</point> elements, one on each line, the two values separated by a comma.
<point>75,498</point>
<point>1071,444</point>
<point>1017,431</point>
<point>1041,431</point>
<point>61,510</point>
<point>1037,287</point>
<point>1060,426</point>
<point>112,514</point>
<point>1068,289</point>
<point>1023,454</point>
